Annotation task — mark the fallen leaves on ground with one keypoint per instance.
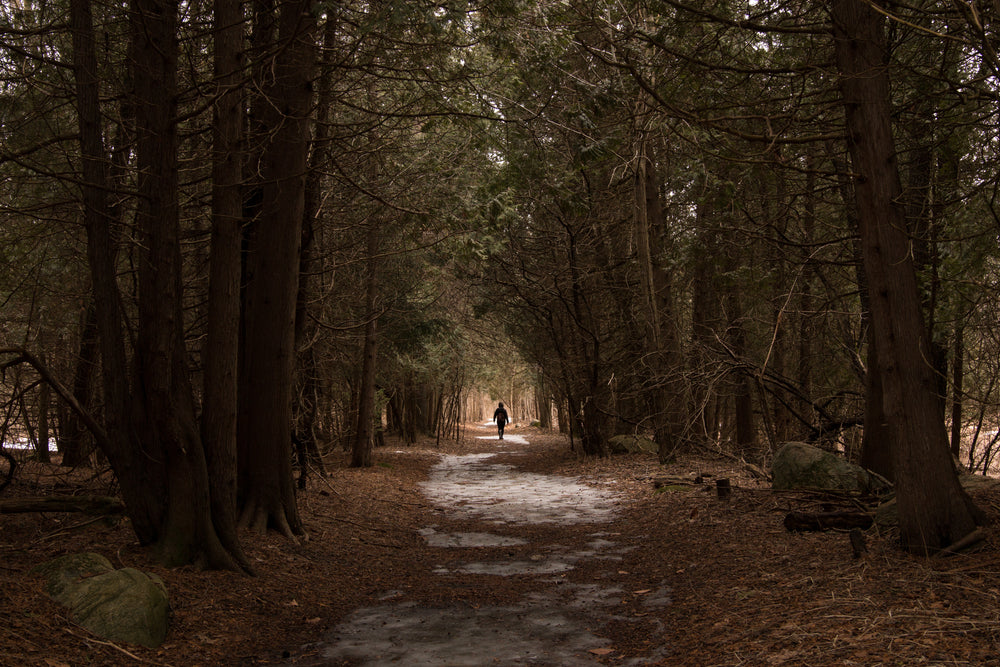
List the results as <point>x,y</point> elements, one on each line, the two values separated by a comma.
<point>742,590</point>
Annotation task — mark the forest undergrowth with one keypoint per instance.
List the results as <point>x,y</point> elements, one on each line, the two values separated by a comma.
<point>743,590</point>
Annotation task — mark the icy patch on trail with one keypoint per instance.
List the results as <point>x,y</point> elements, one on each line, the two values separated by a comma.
<point>550,626</point>
<point>551,559</point>
<point>507,439</point>
<point>473,486</point>
<point>464,540</point>
<point>510,568</point>
<point>416,636</point>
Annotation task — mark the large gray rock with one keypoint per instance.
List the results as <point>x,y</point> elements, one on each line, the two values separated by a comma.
<point>631,444</point>
<point>798,465</point>
<point>120,605</point>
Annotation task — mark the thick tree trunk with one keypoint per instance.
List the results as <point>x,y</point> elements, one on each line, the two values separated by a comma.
<point>221,351</point>
<point>142,491</point>
<point>164,422</point>
<point>879,434</point>
<point>543,403</point>
<point>269,357</point>
<point>157,455</point>
<point>934,511</point>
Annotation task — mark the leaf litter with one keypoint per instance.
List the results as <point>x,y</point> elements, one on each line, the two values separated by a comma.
<point>690,580</point>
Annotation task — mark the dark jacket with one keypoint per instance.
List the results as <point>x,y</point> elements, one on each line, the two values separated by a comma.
<point>500,416</point>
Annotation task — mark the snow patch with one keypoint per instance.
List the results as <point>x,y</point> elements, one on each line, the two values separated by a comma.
<point>416,636</point>
<point>465,540</point>
<point>471,485</point>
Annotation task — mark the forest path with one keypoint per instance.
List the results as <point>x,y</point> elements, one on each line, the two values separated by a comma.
<point>506,542</point>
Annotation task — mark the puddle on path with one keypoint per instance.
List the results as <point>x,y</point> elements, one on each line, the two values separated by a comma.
<point>550,627</point>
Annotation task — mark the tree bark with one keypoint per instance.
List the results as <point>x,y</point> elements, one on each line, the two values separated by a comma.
<point>877,434</point>
<point>706,318</point>
<point>221,351</point>
<point>269,357</point>
<point>361,450</point>
<point>42,439</point>
<point>308,388</point>
<point>957,390</point>
<point>662,340</point>
<point>934,511</point>
<point>163,418</point>
<point>97,217</point>
<point>72,443</point>
<point>745,426</point>
<point>142,495</point>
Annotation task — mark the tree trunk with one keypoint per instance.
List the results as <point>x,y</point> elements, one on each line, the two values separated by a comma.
<point>806,335</point>
<point>142,495</point>
<point>96,214</point>
<point>934,511</point>
<point>706,319</point>
<point>269,358</point>
<point>308,388</point>
<point>221,351</point>
<point>73,442</point>
<point>662,338</point>
<point>409,412</point>
<point>958,392</point>
<point>42,441</point>
<point>164,422</point>
<point>361,450</point>
<point>543,403</point>
<point>745,424</point>
<point>877,436</point>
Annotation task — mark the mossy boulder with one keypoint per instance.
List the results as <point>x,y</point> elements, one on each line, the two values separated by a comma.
<point>120,605</point>
<point>631,444</point>
<point>798,465</point>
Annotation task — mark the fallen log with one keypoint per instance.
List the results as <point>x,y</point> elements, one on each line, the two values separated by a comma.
<point>660,482</point>
<point>93,505</point>
<point>816,521</point>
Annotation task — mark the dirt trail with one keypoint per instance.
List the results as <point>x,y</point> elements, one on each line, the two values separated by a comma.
<point>473,552</point>
<point>508,542</point>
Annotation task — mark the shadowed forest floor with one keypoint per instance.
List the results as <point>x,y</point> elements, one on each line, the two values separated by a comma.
<point>693,580</point>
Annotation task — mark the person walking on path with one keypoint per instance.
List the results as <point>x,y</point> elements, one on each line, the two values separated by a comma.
<point>500,417</point>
